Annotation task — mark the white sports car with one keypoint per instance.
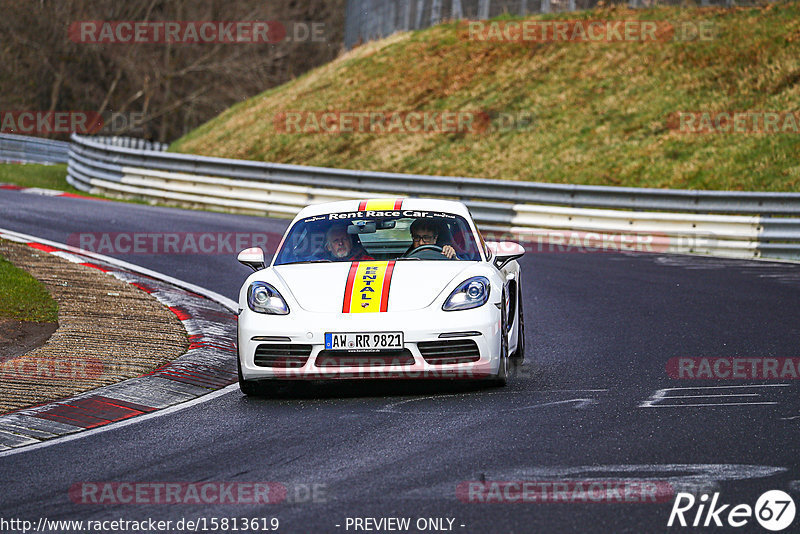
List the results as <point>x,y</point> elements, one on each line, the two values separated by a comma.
<point>385,288</point>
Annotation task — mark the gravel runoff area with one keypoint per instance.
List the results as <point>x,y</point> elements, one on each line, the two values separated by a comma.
<point>108,331</point>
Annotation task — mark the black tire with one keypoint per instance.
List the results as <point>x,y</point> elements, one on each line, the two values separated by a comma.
<point>519,353</point>
<point>501,378</point>
<point>248,387</point>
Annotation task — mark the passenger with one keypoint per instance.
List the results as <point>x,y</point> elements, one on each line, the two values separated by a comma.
<point>341,246</point>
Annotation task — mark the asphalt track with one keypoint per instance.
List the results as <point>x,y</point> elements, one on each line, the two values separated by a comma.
<point>601,328</point>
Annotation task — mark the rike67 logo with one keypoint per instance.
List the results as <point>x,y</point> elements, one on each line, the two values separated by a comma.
<point>774,510</point>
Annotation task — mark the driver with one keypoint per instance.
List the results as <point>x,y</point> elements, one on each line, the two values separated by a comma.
<point>426,232</point>
<point>339,245</point>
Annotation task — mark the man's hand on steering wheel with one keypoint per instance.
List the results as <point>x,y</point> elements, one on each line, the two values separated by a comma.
<point>447,251</point>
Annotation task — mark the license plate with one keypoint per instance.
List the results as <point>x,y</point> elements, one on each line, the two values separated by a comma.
<point>366,341</point>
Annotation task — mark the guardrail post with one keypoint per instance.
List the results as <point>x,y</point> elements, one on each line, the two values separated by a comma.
<point>436,12</point>
<point>456,11</point>
<point>483,9</point>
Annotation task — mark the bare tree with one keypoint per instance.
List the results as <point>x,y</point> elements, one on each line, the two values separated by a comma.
<point>175,86</point>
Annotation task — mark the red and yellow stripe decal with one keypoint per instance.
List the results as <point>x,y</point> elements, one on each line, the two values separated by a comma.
<point>367,289</point>
<point>381,204</point>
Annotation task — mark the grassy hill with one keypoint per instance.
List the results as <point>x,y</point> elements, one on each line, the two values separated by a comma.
<point>603,113</point>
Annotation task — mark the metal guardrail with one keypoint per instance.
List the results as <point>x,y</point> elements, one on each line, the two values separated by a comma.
<point>556,216</point>
<point>25,149</point>
<point>95,152</point>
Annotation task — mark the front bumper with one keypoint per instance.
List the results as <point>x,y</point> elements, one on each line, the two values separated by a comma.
<point>302,334</point>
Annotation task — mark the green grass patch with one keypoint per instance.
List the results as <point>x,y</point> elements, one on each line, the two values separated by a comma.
<point>603,113</point>
<point>47,177</point>
<point>36,175</point>
<point>24,298</point>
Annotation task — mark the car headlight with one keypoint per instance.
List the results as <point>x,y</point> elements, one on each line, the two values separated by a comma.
<point>470,294</point>
<point>263,298</point>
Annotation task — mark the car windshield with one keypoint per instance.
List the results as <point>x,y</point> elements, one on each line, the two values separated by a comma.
<point>406,235</point>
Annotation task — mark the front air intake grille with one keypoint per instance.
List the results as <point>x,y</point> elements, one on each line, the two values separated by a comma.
<point>449,351</point>
<point>286,355</point>
<point>340,358</point>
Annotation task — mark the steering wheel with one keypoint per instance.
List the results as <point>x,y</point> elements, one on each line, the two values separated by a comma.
<point>434,251</point>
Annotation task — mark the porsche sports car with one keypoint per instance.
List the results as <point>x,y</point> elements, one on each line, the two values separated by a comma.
<point>385,288</point>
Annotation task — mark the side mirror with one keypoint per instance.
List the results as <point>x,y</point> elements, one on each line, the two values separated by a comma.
<point>252,257</point>
<point>504,251</point>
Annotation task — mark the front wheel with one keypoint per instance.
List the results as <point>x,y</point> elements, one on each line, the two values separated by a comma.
<point>519,353</point>
<point>501,378</point>
<point>248,387</point>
